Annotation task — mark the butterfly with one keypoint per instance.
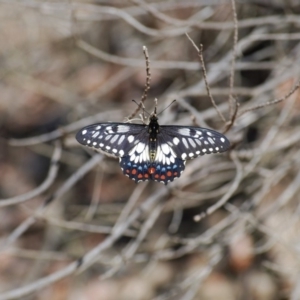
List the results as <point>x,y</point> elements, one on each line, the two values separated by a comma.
<point>152,152</point>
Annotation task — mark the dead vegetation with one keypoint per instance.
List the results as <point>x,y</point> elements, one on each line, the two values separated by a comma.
<point>73,227</point>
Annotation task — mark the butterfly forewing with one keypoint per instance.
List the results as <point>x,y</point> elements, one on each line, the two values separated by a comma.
<point>114,138</point>
<point>188,142</point>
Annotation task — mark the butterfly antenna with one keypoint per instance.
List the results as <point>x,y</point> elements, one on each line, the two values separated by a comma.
<point>155,106</point>
<point>142,105</point>
<point>167,107</point>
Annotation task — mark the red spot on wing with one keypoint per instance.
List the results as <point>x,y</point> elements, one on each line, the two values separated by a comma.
<point>151,170</point>
<point>169,173</point>
<point>156,176</point>
<point>140,176</point>
<point>175,173</point>
<point>162,177</point>
<point>133,172</point>
<point>146,175</point>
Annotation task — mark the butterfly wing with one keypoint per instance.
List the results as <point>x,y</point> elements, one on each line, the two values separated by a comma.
<point>116,139</point>
<point>129,142</point>
<point>176,144</point>
<point>188,142</point>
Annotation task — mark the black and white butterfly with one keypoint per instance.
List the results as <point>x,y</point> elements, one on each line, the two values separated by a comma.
<point>152,152</point>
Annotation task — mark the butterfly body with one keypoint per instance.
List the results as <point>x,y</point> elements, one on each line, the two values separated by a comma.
<point>152,152</point>
<point>153,130</point>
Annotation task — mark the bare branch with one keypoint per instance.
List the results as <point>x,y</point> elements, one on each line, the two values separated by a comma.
<point>232,101</point>
<point>200,54</point>
<point>291,92</point>
<point>146,89</point>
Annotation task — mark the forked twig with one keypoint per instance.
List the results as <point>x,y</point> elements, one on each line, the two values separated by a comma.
<point>200,54</point>
<point>291,91</point>
<point>147,86</point>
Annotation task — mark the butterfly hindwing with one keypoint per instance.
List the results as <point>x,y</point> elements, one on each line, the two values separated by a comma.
<point>157,171</point>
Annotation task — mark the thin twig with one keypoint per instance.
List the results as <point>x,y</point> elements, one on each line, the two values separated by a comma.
<point>146,89</point>
<point>200,54</point>
<point>68,184</point>
<point>53,170</point>
<point>236,182</point>
<point>291,92</point>
<point>231,100</point>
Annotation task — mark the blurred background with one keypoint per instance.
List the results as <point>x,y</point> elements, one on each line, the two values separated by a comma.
<point>73,226</point>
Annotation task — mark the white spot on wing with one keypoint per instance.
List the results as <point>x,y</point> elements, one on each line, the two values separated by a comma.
<point>211,140</point>
<point>167,160</point>
<point>146,151</point>
<point>163,158</point>
<point>191,154</point>
<point>159,154</point>
<point>185,143</point>
<point>140,147</point>
<point>130,138</point>
<point>95,134</point>
<point>184,131</point>
<point>222,140</point>
<point>98,127</point>
<point>183,155</point>
<point>121,152</point>
<point>115,137</point>
<point>176,141</point>
<point>121,139</point>
<point>123,128</point>
<point>144,156</point>
<point>165,148</point>
<point>192,143</point>
<point>84,132</point>
<point>132,151</point>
